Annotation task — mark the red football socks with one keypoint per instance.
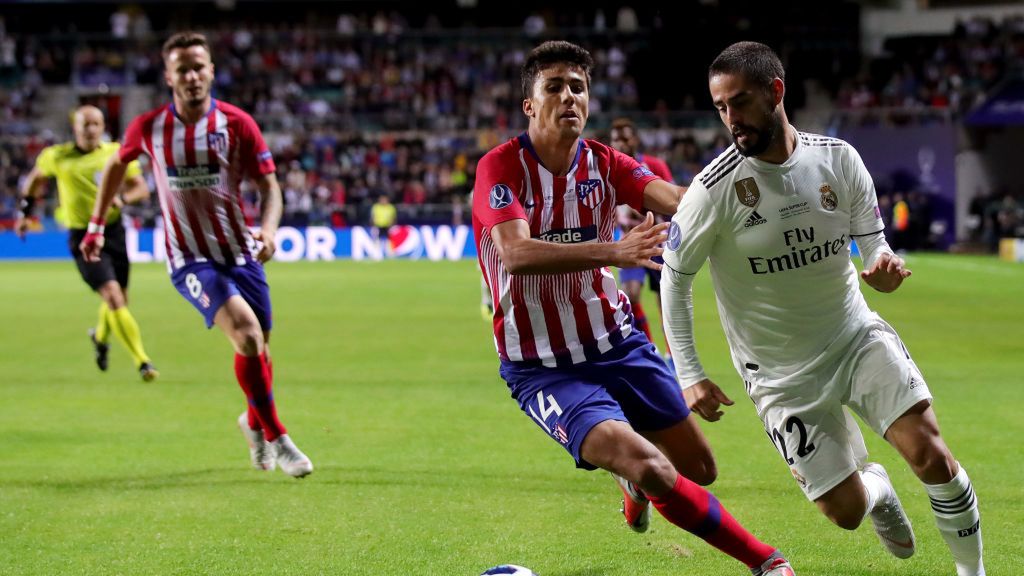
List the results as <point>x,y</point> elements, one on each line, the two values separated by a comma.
<point>255,377</point>
<point>640,318</point>
<point>697,511</point>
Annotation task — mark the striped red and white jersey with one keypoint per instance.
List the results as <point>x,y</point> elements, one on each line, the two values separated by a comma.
<point>198,169</point>
<point>555,319</point>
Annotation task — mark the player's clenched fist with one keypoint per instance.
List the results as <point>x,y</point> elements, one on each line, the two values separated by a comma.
<point>267,245</point>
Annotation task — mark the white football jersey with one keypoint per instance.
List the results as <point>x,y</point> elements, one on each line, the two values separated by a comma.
<point>778,239</point>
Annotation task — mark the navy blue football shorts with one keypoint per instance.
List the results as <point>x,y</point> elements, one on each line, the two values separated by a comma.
<point>208,285</point>
<point>629,383</point>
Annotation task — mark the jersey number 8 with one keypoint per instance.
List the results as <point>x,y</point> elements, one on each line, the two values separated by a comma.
<point>195,287</point>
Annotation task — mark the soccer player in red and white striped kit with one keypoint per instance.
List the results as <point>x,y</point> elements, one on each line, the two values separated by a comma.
<point>544,210</point>
<point>200,150</point>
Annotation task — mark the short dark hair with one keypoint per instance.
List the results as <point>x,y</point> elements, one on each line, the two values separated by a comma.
<point>623,123</point>
<point>754,61</point>
<point>550,53</point>
<point>185,40</point>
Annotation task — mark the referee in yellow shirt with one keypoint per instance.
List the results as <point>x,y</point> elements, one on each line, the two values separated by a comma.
<point>77,166</point>
<point>383,215</point>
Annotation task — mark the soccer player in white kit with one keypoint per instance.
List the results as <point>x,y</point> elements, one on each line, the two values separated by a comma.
<point>775,215</point>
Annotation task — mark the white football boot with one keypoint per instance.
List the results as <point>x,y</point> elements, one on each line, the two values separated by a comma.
<point>291,460</point>
<point>891,522</point>
<point>260,452</point>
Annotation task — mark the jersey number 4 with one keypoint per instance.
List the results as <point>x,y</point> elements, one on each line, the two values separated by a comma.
<point>546,409</point>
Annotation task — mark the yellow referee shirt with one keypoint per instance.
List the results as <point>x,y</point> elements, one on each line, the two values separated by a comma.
<point>78,178</point>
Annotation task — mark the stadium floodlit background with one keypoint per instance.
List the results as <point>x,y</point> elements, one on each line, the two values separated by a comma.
<point>385,369</point>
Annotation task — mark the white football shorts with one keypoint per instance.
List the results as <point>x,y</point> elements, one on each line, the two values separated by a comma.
<point>806,421</point>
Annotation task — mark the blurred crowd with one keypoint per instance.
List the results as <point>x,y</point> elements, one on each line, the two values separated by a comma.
<point>365,105</point>
<point>994,216</point>
<point>350,112</point>
<point>952,71</point>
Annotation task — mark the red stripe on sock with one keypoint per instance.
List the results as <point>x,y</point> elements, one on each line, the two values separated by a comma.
<point>254,377</point>
<point>687,505</point>
<point>640,319</point>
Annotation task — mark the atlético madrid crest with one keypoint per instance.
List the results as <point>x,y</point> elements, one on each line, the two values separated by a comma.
<point>217,141</point>
<point>590,192</point>
<point>747,192</point>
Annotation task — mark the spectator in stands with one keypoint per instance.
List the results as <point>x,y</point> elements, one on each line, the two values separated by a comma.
<point>1009,218</point>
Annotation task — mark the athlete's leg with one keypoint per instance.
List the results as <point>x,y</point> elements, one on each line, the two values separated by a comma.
<point>110,292</point>
<point>102,331</point>
<point>687,449</point>
<point>632,283</point>
<point>239,323</point>
<point>916,436</point>
<point>614,446</point>
<point>824,449</point>
<point>123,325</point>
<point>891,395</point>
<point>634,291</point>
<point>114,269</point>
<point>650,398</point>
<point>846,504</point>
<point>252,416</point>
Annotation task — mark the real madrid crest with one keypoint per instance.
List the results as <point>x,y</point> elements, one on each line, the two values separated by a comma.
<point>747,192</point>
<point>829,200</point>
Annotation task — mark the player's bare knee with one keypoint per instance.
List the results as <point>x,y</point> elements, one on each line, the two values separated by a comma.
<point>702,471</point>
<point>654,474</point>
<point>708,475</point>
<point>249,340</point>
<point>112,295</point>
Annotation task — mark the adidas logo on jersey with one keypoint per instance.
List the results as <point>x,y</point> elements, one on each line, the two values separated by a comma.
<point>754,220</point>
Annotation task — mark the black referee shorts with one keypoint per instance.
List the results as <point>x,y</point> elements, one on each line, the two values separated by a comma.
<point>113,264</point>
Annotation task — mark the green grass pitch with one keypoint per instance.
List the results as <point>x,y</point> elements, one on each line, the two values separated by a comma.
<point>386,376</point>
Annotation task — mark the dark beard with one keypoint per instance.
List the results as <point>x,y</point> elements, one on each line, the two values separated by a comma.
<point>763,137</point>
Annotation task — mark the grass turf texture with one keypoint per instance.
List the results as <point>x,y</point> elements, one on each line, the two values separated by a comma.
<point>387,378</point>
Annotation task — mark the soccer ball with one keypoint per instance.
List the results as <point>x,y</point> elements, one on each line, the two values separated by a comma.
<point>508,570</point>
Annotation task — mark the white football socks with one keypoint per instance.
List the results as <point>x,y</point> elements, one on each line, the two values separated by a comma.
<point>877,490</point>
<point>959,522</point>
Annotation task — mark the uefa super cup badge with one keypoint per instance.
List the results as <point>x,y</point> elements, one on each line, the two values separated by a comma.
<point>747,192</point>
<point>829,200</point>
